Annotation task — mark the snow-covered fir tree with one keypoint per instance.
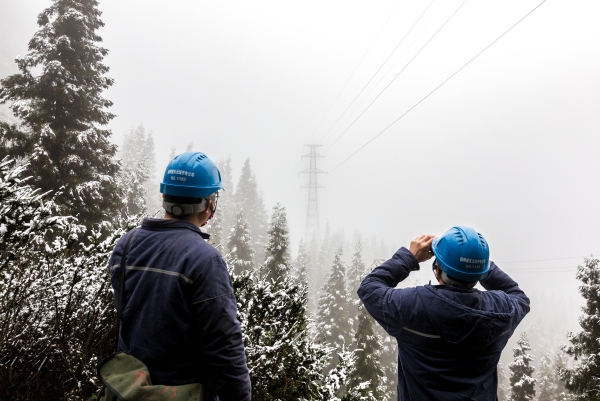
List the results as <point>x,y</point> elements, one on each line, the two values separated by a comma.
<point>239,246</point>
<point>367,377</point>
<point>356,270</point>
<point>137,176</point>
<point>249,199</point>
<point>313,284</point>
<point>284,361</point>
<point>336,382</point>
<point>226,206</point>
<point>503,391</point>
<point>277,255</point>
<point>302,263</point>
<point>522,383</point>
<point>583,379</point>
<point>58,97</point>
<point>56,306</point>
<point>131,181</point>
<point>137,153</point>
<point>546,378</point>
<point>560,363</point>
<point>334,325</point>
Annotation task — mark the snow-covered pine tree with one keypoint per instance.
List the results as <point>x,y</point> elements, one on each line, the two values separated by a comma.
<point>336,383</point>
<point>503,391</point>
<point>356,271</point>
<point>277,255</point>
<point>153,195</point>
<point>546,378</point>
<point>302,263</point>
<point>367,377</point>
<point>334,325</point>
<point>138,171</point>
<point>313,284</point>
<point>131,180</point>
<point>56,307</point>
<point>324,258</point>
<point>560,363</point>
<point>284,361</point>
<point>239,247</point>
<point>583,379</point>
<point>226,206</point>
<point>522,383</point>
<point>248,198</point>
<point>62,111</point>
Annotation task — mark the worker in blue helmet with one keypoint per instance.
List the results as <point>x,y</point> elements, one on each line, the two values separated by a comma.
<point>450,335</point>
<point>178,308</point>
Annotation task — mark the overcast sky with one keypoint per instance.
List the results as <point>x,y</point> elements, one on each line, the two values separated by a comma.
<point>509,145</point>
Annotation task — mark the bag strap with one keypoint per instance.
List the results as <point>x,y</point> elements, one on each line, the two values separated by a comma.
<point>122,286</point>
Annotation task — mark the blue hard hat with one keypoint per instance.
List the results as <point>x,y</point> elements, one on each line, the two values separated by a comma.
<point>191,175</point>
<point>463,254</point>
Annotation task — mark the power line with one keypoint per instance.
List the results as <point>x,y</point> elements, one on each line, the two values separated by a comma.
<point>544,260</point>
<point>437,87</point>
<point>356,68</point>
<point>380,67</point>
<point>400,58</point>
<point>397,75</point>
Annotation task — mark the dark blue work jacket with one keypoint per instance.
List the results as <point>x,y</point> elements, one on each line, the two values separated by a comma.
<point>179,310</point>
<point>449,339</point>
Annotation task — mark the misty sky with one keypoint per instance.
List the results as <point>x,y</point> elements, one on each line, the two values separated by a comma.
<point>509,145</point>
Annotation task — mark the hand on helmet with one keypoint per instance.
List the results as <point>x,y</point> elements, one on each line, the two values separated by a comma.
<point>421,247</point>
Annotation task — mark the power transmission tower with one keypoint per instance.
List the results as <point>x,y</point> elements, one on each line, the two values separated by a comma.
<point>312,213</point>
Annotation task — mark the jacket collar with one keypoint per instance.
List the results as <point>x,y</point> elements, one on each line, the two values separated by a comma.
<point>170,224</point>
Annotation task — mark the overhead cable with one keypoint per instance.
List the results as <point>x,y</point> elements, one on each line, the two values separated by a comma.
<point>397,75</point>
<point>376,72</point>
<point>544,260</point>
<point>384,76</point>
<point>356,68</point>
<point>436,88</point>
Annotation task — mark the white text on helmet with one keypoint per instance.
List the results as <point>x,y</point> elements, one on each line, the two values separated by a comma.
<point>180,172</point>
<point>467,260</point>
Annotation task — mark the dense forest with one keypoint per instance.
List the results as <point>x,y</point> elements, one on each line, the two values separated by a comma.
<point>67,194</point>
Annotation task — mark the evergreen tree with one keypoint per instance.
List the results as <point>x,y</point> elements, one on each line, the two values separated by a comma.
<point>62,109</point>
<point>277,262</point>
<point>367,377</point>
<point>284,361</point>
<point>503,391</point>
<point>356,271</point>
<point>226,206</point>
<point>547,383</point>
<point>248,198</point>
<point>302,263</point>
<point>313,284</point>
<point>214,227</point>
<point>138,166</point>
<point>131,181</point>
<point>56,304</point>
<point>522,383</point>
<point>239,248</point>
<point>336,384</point>
<point>583,379</point>
<point>334,323</point>
<point>560,363</point>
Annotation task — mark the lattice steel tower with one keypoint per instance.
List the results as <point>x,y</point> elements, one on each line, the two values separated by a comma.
<point>312,213</point>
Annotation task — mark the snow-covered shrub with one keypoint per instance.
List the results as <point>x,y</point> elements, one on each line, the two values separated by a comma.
<point>56,313</point>
<point>284,361</point>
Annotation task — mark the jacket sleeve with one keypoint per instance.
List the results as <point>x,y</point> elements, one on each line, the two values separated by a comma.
<point>220,335</point>
<point>377,290</point>
<point>497,280</point>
